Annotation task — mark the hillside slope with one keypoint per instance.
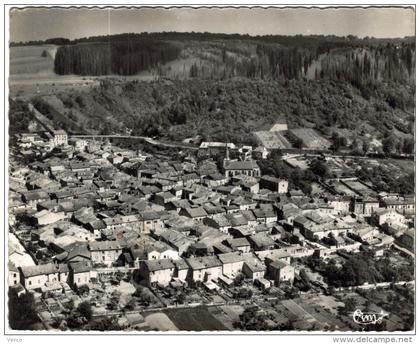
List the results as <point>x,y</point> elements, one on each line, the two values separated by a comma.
<point>222,56</point>
<point>232,109</point>
<point>225,87</point>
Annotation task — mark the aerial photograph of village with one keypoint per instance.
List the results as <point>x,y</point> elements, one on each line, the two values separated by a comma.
<point>210,169</point>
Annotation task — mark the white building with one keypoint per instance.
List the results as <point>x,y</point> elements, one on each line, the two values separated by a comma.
<point>389,216</point>
<point>60,138</point>
<point>105,252</point>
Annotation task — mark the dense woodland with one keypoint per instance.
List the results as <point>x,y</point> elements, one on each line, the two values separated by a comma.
<point>223,56</point>
<point>19,118</point>
<point>232,109</point>
<point>224,87</point>
<point>123,57</point>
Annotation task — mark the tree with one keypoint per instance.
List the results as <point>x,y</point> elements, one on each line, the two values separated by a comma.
<point>83,289</point>
<point>408,145</point>
<point>365,147</point>
<point>335,139</point>
<point>349,306</point>
<point>85,309</point>
<point>239,279</point>
<point>114,301</point>
<point>388,144</point>
<point>338,141</point>
<point>22,313</point>
<point>298,143</point>
<point>145,295</point>
<point>106,324</point>
<point>180,298</point>
<point>130,305</point>
<point>320,168</point>
<point>244,293</point>
<point>70,305</point>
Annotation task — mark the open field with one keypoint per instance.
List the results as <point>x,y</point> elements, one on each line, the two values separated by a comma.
<point>160,322</point>
<point>324,310</point>
<point>32,74</point>
<point>310,138</point>
<point>272,139</point>
<point>195,319</point>
<point>403,164</point>
<point>358,187</point>
<point>29,60</point>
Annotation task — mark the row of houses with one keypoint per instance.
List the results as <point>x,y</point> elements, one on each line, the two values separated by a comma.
<point>223,267</point>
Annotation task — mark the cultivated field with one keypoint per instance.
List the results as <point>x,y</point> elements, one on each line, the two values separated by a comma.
<point>310,138</point>
<point>194,319</point>
<point>31,73</point>
<point>29,60</point>
<point>272,139</point>
<point>160,322</point>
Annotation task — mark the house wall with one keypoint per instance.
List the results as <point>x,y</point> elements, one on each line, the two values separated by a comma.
<point>370,208</point>
<point>151,225</point>
<point>81,278</point>
<point>252,274</point>
<point>14,278</point>
<point>161,276</point>
<point>258,274</point>
<point>168,254</point>
<point>107,257</point>
<point>340,206</point>
<point>254,173</point>
<point>404,208</point>
<point>224,229</point>
<point>35,282</point>
<point>197,275</point>
<point>232,269</point>
<point>244,249</point>
<point>284,274</point>
<point>280,187</point>
<point>213,273</point>
<point>182,274</point>
<point>391,218</point>
<point>216,183</point>
<point>64,276</point>
<point>271,219</point>
<point>204,275</point>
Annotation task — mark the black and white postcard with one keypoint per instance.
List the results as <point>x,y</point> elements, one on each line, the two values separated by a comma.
<point>210,169</point>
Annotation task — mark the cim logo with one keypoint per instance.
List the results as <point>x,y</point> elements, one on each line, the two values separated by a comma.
<point>368,318</point>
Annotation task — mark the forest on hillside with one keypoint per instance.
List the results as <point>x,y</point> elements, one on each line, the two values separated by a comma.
<point>220,56</point>
<point>230,110</point>
<point>115,57</point>
<point>353,91</point>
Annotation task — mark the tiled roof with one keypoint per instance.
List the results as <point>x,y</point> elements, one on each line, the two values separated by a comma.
<point>104,245</point>
<point>44,269</point>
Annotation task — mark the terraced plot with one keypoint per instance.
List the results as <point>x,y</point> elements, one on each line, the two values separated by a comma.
<point>273,139</point>
<point>310,138</point>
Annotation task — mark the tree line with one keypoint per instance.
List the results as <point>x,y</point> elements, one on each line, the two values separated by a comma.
<point>115,57</point>
<point>358,65</point>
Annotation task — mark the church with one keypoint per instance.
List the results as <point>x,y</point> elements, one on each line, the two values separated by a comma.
<point>246,167</point>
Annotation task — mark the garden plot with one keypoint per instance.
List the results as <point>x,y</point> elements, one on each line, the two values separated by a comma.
<point>272,139</point>
<point>310,138</point>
